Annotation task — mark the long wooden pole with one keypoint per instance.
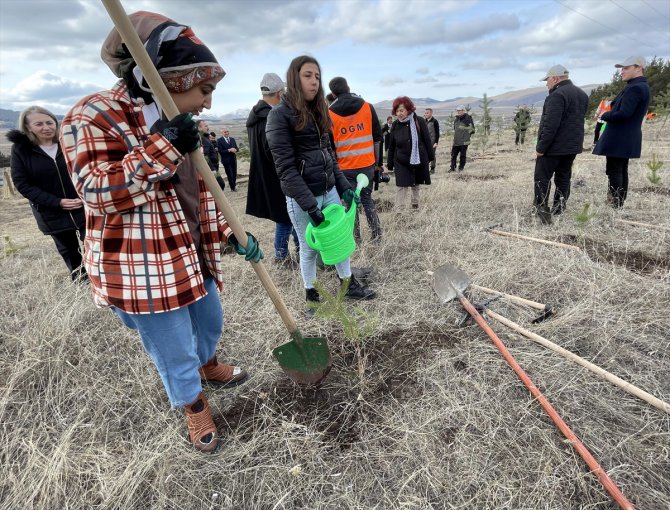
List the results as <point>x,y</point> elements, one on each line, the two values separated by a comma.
<point>535,239</point>
<point>139,53</point>
<point>624,385</point>
<point>511,297</point>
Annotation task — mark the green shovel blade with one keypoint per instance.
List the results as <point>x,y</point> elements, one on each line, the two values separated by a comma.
<point>304,360</point>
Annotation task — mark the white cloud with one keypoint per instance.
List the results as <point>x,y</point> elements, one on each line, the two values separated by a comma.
<point>390,81</point>
<point>46,89</point>
<point>426,79</point>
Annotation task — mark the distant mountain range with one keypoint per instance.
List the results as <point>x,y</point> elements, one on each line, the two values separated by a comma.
<point>502,102</point>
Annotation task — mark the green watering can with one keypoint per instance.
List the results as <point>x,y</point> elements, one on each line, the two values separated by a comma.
<point>334,237</point>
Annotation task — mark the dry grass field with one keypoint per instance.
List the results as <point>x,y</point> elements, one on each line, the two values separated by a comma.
<point>437,421</point>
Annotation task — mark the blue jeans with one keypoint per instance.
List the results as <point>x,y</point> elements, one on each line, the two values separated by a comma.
<point>283,232</point>
<point>300,219</point>
<point>180,341</point>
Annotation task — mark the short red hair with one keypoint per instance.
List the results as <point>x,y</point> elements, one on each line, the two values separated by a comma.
<point>405,101</point>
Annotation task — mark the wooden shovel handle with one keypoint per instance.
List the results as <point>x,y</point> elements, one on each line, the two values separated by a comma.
<point>543,241</point>
<point>512,297</point>
<point>626,386</point>
<point>141,57</point>
<point>640,224</point>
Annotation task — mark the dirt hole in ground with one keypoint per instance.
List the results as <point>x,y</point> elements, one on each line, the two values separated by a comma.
<point>336,412</point>
<point>468,177</point>
<point>654,189</point>
<point>636,261</point>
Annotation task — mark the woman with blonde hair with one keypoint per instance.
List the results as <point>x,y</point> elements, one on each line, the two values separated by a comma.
<point>40,174</point>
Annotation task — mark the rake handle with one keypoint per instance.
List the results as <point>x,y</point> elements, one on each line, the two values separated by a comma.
<point>527,238</point>
<point>141,57</point>
<point>511,297</point>
<point>583,452</point>
<point>626,386</point>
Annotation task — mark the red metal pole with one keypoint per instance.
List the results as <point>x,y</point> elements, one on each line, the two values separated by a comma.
<point>592,463</point>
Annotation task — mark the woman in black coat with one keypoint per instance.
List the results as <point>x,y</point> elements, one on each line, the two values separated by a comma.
<point>410,151</point>
<point>40,174</point>
<point>297,134</point>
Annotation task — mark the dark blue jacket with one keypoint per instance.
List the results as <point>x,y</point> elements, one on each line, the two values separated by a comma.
<point>222,146</point>
<point>622,137</point>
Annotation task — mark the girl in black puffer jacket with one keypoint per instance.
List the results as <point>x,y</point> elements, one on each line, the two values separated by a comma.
<point>40,174</point>
<point>297,133</point>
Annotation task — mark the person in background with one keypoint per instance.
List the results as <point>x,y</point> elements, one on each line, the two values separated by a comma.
<point>410,152</point>
<point>356,136</point>
<point>521,124</point>
<point>265,198</point>
<point>40,174</point>
<point>560,137</point>
<point>622,139</point>
<point>154,233</point>
<point>297,132</point>
<point>207,148</point>
<point>604,106</point>
<point>212,140</point>
<point>434,130</point>
<point>464,127</point>
<point>386,133</point>
<point>227,147</point>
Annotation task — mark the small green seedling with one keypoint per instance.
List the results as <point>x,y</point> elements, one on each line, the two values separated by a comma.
<point>11,248</point>
<point>357,324</point>
<point>654,165</point>
<point>585,215</point>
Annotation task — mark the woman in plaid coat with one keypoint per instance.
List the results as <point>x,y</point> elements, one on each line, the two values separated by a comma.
<point>153,252</point>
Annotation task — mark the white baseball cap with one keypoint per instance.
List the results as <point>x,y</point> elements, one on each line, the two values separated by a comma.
<point>271,83</point>
<point>557,70</point>
<point>633,61</point>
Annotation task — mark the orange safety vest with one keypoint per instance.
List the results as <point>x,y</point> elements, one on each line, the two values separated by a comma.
<point>605,106</point>
<point>353,139</point>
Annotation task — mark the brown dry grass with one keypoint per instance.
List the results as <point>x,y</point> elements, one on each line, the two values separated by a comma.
<point>439,421</point>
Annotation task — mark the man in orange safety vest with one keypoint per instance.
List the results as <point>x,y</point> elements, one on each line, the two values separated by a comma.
<point>357,136</point>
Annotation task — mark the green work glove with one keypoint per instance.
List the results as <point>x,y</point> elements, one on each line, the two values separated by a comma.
<point>350,196</point>
<point>252,252</point>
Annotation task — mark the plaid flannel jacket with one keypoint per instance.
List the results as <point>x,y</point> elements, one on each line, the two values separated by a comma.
<point>138,252</point>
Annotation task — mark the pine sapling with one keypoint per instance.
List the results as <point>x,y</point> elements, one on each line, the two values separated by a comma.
<point>585,215</point>
<point>357,324</point>
<point>654,165</point>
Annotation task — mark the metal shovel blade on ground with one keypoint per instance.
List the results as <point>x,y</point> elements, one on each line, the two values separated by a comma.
<point>304,360</point>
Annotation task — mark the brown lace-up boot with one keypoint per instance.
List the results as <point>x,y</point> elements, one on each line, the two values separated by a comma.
<point>214,372</point>
<point>201,428</point>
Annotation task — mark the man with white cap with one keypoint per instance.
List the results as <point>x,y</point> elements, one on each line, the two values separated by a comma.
<point>621,139</point>
<point>265,198</point>
<point>560,138</point>
<point>464,126</point>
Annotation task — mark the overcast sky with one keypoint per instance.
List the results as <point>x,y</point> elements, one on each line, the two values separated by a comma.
<point>50,49</point>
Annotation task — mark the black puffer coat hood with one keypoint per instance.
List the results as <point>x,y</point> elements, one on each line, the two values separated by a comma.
<point>305,161</point>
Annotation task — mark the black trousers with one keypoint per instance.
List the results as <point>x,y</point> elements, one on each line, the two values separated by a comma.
<point>455,151</point>
<point>617,174</point>
<point>520,137</point>
<point>560,168</point>
<point>366,201</point>
<point>230,166</point>
<point>67,244</point>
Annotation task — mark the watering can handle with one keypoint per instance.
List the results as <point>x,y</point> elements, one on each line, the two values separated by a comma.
<point>312,242</point>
